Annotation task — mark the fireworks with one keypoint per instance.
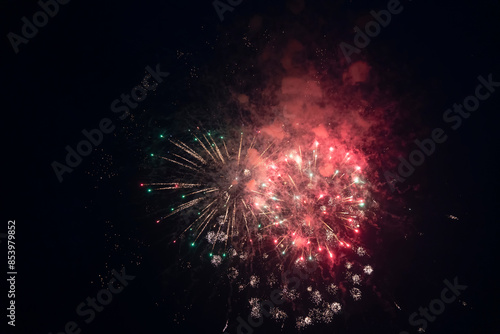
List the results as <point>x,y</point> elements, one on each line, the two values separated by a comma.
<point>315,201</point>
<point>223,191</point>
<point>285,204</point>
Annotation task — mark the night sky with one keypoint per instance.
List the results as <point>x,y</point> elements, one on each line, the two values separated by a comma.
<point>75,233</point>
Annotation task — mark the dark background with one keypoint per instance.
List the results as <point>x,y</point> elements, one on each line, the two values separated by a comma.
<point>71,234</point>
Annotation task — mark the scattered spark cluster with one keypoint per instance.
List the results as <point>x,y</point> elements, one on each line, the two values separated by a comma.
<point>277,205</point>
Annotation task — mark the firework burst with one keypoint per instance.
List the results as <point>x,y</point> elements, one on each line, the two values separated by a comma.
<point>221,188</point>
<point>252,202</point>
<point>318,201</point>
